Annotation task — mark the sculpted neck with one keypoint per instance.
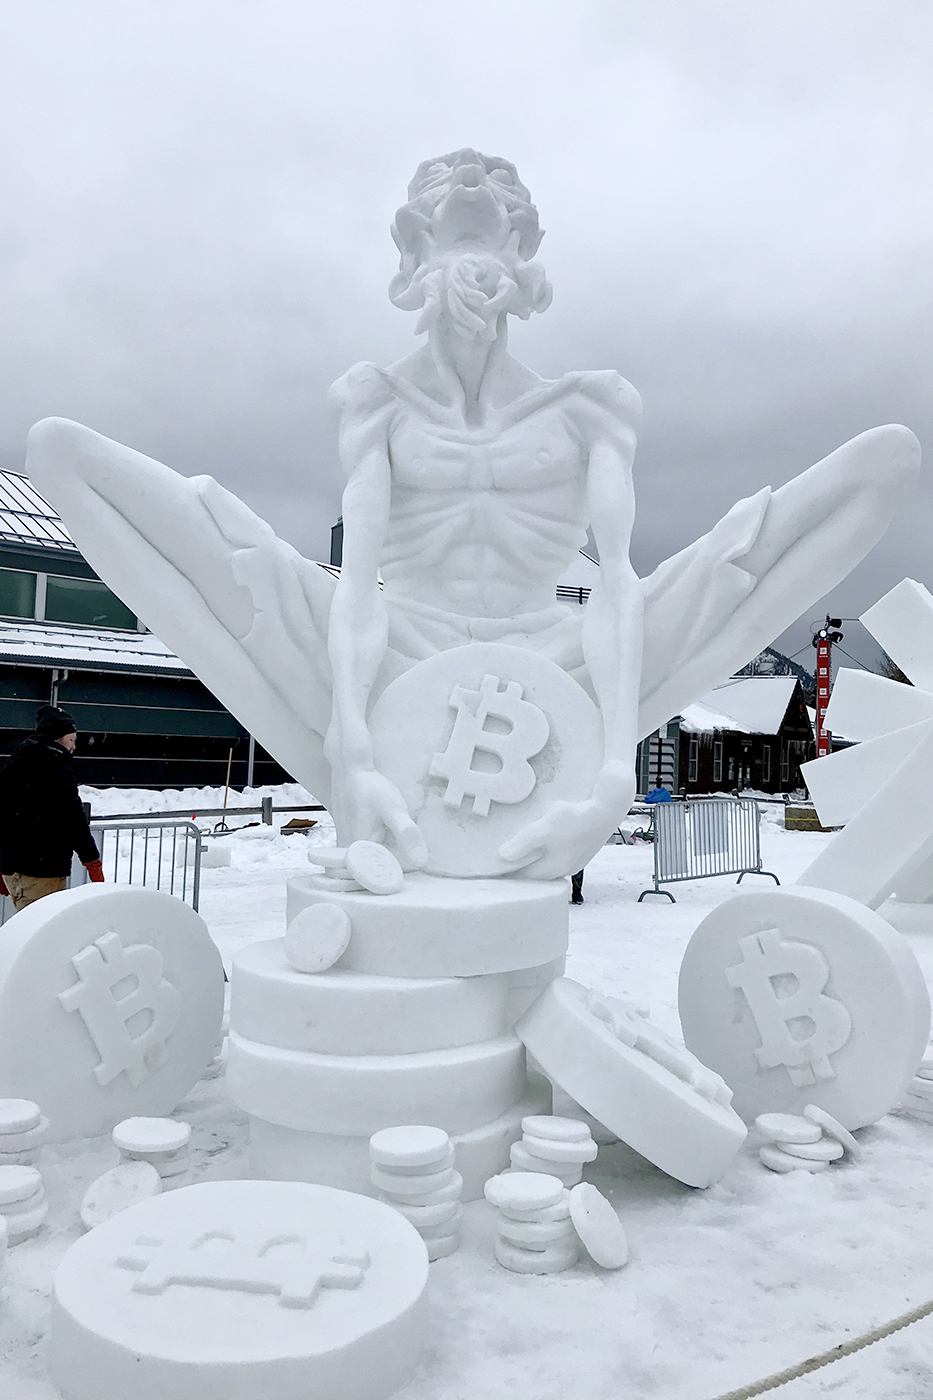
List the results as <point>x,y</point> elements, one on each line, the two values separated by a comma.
<point>468,368</point>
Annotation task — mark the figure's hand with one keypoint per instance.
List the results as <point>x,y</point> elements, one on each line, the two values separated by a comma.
<point>373,809</point>
<point>95,871</point>
<point>570,833</point>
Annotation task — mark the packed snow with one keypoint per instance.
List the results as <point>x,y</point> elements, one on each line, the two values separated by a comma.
<point>723,1286</point>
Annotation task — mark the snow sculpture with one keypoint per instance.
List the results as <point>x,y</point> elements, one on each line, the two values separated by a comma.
<point>110,1004</point>
<point>23,1130</point>
<point>536,1234</point>
<point>804,997</point>
<point>651,1092</point>
<point>458,715</point>
<point>555,1146</point>
<point>241,1288</point>
<point>808,1143</point>
<point>876,788</point>
<point>412,1167</point>
<point>23,1203</point>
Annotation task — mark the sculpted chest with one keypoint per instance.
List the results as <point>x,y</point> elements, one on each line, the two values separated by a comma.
<point>540,451</point>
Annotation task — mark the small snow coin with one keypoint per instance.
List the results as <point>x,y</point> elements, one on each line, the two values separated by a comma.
<point>28,1222</point>
<point>398,1185</point>
<point>925,1069</point>
<point>826,1150</point>
<point>122,1186</point>
<point>155,1135</point>
<point>446,1227</point>
<point>374,867</point>
<point>568,1153</point>
<point>173,1166</point>
<point>598,1226</point>
<point>778,1161</point>
<point>331,857</point>
<point>336,884</point>
<point>441,1248</point>
<point>536,1234</point>
<point>920,1088</point>
<point>552,1260</point>
<point>834,1129</point>
<point>556,1129</point>
<point>27,1203</point>
<point>523,1191</point>
<point>18,1116</point>
<point>524,1161</point>
<point>413,1145</point>
<point>447,1160</point>
<point>787,1127</point>
<point>27,1140</point>
<point>544,1213</point>
<point>317,936</point>
<point>428,1216</point>
<point>18,1184</point>
<point>451,1192</point>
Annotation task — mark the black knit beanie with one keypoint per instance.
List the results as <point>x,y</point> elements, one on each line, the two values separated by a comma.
<point>53,723</point>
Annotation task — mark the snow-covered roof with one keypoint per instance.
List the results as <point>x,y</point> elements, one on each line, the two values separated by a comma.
<point>27,518</point>
<point>39,643</point>
<point>747,705</point>
<point>582,573</point>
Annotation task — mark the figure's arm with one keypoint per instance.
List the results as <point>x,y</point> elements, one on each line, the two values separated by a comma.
<point>365,805</point>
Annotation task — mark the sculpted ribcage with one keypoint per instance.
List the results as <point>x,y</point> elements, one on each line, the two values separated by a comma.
<point>482,524</point>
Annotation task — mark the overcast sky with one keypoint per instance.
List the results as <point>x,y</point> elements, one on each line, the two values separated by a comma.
<point>195,198</point>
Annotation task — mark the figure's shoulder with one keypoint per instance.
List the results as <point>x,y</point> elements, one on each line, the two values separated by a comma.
<point>362,389</point>
<point>607,391</point>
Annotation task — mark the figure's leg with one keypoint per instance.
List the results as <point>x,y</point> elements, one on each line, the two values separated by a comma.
<point>241,607</point>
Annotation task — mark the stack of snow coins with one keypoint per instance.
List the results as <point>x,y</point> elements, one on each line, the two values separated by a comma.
<point>364,865</point>
<point>536,1234</point>
<point>22,1132</point>
<point>413,1167</point>
<point>161,1141</point>
<point>809,1143</point>
<point>918,1098</point>
<point>22,1202</point>
<point>555,1146</point>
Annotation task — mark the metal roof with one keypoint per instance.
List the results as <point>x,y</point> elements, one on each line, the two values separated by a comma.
<point>27,518</point>
<point>86,648</point>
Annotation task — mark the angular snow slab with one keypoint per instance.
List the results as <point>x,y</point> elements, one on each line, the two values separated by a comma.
<point>902,622</point>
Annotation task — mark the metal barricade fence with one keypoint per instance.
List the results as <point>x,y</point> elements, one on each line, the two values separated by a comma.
<point>708,836</point>
<point>154,853</point>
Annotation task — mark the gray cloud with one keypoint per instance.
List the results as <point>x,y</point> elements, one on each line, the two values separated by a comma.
<point>194,240</point>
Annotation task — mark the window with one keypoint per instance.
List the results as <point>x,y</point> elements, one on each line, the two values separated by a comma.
<point>785,766</point>
<point>86,602</point>
<point>717,761</point>
<point>692,760</point>
<point>766,763</point>
<point>17,593</point>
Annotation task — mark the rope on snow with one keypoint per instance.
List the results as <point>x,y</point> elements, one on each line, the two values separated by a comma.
<point>825,1358</point>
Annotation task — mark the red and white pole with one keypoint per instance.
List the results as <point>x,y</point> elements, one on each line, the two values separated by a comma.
<point>823,743</point>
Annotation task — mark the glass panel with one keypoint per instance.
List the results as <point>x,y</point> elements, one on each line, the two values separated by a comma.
<point>17,593</point>
<point>87,602</point>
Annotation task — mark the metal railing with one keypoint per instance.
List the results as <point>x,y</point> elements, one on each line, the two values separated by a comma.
<point>155,853</point>
<point>710,836</point>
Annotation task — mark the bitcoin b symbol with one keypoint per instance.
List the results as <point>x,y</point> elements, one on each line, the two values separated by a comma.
<point>526,735</point>
<point>126,1004</point>
<point>800,1027</point>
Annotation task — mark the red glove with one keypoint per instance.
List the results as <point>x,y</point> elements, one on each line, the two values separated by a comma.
<point>95,870</point>
<point>3,888</point>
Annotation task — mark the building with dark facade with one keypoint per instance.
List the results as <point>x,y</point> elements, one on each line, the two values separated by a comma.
<point>144,719</point>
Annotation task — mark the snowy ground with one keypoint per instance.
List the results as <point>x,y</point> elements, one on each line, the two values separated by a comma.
<point>723,1286</point>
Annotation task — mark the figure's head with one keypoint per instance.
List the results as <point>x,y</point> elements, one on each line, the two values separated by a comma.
<point>56,727</point>
<point>466,237</point>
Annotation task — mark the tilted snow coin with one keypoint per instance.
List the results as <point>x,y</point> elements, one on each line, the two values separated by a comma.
<point>835,1129</point>
<point>598,1226</point>
<point>553,1260</point>
<point>826,1150</point>
<point>556,1129</point>
<point>787,1127</point>
<point>317,936</point>
<point>397,1185</point>
<point>413,1145</point>
<point>374,867</point>
<point>18,1116</point>
<point>779,1161</point>
<point>568,1153</point>
<point>155,1135</point>
<point>523,1191</point>
<point>117,1189</point>
<point>18,1184</point>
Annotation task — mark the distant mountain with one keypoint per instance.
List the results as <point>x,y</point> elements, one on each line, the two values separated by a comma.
<point>774,663</point>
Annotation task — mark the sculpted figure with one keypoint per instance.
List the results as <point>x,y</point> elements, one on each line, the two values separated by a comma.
<point>471,484</point>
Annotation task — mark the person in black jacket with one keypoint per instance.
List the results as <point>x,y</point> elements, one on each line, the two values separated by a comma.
<point>41,818</point>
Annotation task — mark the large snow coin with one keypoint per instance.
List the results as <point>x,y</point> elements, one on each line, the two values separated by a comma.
<point>652,1093</point>
<point>481,740</point>
<point>240,1289</point>
<point>802,996</point>
<point>111,1001</point>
